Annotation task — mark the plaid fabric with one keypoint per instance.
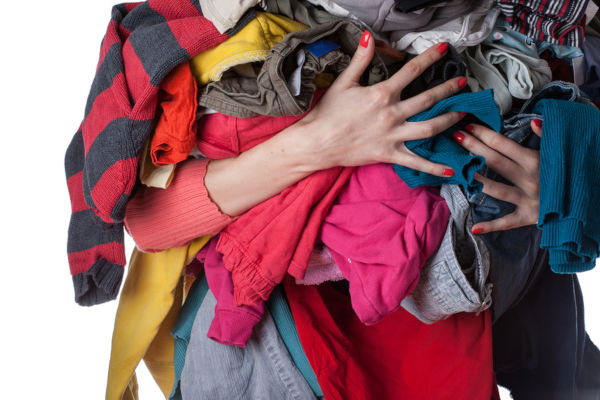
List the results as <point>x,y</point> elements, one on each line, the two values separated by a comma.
<point>555,21</point>
<point>142,44</point>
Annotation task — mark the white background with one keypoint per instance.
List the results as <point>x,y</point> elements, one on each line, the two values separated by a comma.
<point>51,347</point>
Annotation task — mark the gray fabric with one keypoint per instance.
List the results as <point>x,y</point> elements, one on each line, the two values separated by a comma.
<point>382,16</point>
<point>509,72</point>
<point>261,370</point>
<point>461,32</point>
<point>269,93</point>
<point>453,279</point>
<point>299,10</point>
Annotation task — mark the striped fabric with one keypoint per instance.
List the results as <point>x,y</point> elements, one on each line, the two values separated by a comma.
<point>555,21</point>
<point>143,42</point>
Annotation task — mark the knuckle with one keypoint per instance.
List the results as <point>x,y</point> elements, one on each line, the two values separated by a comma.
<point>413,68</point>
<point>495,141</point>
<point>382,95</point>
<point>428,130</point>
<point>386,117</point>
<point>428,99</point>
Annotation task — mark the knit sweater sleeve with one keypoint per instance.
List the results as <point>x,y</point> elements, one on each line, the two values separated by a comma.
<point>159,219</point>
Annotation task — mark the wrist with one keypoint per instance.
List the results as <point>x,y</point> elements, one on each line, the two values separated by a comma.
<point>299,149</point>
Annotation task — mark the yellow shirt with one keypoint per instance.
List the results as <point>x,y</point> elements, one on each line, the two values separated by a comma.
<point>148,310</point>
<point>252,43</point>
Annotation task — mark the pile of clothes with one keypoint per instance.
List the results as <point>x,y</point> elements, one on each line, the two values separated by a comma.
<point>353,283</point>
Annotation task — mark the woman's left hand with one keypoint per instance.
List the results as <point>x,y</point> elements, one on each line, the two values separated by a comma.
<point>517,164</point>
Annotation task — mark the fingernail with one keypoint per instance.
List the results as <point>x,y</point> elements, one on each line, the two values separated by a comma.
<point>462,114</point>
<point>442,47</point>
<point>469,128</point>
<point>448,172</point>
<point>364,40</point>
<point>458,137</point>
<point>462,82</point>
<point>476,231</point>
<point>537,122</point>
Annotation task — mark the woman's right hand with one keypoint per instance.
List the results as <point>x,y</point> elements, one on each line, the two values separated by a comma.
<point>354,125</point>
<point>351,125</point>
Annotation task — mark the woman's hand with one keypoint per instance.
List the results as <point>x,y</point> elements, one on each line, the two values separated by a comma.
<point>519,165</point>
<point>351,125</point>
<point>354,125</point>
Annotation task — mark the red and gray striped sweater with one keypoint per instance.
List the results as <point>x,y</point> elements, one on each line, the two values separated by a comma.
<point>143,43</point>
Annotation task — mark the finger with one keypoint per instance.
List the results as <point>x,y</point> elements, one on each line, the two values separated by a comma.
<point>415,67</point>
<point>359,63</point>
<point>510,221</point>
<point>536,126</point>
<point>498,162</point>
<point>429,98</point>
<point>500,143</point>
<point>498,190</point>
<point>429,128</point>
<point>409,159</point>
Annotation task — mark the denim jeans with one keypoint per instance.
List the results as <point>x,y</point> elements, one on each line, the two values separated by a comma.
<point>453,279</point>
<point>541,349</point>
<point>540,346</point>
<point>513,265</point>
<point>262,370</point>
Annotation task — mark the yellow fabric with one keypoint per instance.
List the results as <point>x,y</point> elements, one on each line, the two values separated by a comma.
<point>159,356</point>
<point>252,43</point>
<point>148,309</point>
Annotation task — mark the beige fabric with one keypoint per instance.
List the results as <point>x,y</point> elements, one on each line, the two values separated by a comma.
<point>224,14</point>
<point>153,176</point>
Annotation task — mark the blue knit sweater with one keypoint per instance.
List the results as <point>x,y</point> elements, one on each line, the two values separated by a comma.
<point>442,148</point>
<point>570,184</point>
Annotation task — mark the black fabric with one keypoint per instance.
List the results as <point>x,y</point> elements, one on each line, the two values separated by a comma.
<point>541,350</point>
<point>450,66</point>
<point>413,5</point>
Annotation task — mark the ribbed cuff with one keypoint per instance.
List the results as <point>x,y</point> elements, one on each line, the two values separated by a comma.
<point>232,326</point>
<point>99,284</point>
<point>159,219</point>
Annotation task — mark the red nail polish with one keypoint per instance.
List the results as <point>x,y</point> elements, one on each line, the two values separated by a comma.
<point>458,137</point>
<point>462,114</point>
<point>469,128</point>
<point>476,231</point>
<point>537,122</point>
<point>364,40</point>
<point>443,47</point>
<point>448,172</point>
<point>462,82</point>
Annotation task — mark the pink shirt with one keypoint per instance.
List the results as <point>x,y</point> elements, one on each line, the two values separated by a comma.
<point>380,232</point>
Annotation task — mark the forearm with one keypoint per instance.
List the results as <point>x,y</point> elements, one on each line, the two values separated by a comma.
<point>205,196</point>
<point>239,183</point>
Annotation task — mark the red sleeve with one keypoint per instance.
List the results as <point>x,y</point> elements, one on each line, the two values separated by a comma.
<point>159,219</point>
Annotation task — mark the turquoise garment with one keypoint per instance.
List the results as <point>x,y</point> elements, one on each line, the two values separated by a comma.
<point>280,311</point>
<point>442,148</point>
<point>569,182</point>
<point>183,329</point>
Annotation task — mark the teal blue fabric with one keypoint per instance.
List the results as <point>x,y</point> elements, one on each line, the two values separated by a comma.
<point>282,315</point>
<point>183,329</point>
<point>443,149</point>
<point>569,184</point>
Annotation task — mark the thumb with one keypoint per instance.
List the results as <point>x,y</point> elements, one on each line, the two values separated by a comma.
<point>536,126</point>
<point>360,61</point>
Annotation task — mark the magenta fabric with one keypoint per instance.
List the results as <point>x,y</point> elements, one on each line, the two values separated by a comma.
<point>380,232</point>
<point>231,325</point>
